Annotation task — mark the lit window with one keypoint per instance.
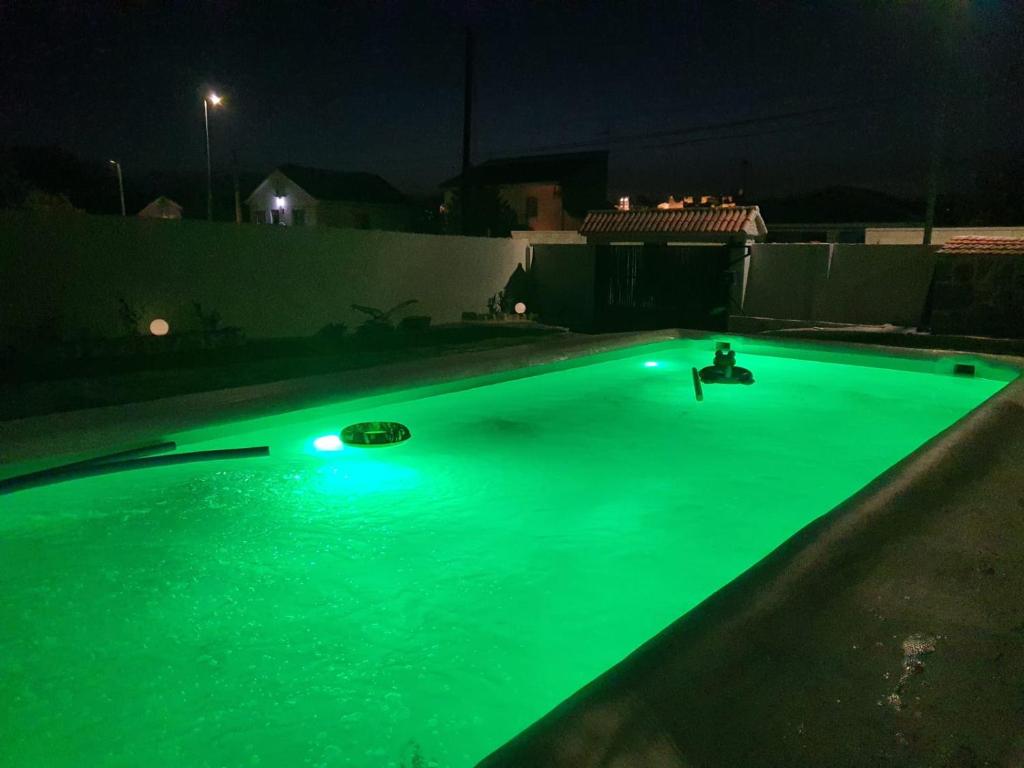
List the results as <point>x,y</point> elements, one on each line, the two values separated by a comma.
<point>531,207</point>
<point>624,203</point>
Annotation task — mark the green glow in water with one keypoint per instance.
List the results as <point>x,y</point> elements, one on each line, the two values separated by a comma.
<point>350,608</point>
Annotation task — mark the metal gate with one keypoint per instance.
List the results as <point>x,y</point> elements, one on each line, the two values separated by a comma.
<point>649,286</point>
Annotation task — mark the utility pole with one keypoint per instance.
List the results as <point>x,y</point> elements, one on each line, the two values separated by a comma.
<point>934,171</point>
<point>467,128</point>
<point>947,77</point>
<point>120,184</point>
<point>744,178</point>
<point>238,199</point>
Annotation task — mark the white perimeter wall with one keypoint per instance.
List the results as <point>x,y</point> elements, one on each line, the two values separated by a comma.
<point>66,271</point>
<point>841,283</point>
<point>940,235</point>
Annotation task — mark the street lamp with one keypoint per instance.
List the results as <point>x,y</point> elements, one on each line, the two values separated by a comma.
<point>214,99</point>
<point>120,184</point>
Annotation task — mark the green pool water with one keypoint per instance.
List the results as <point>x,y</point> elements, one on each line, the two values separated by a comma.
<point>419,604</point>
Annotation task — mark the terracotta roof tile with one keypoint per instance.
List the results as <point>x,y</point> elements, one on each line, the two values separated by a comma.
<point>695,220</point>
<point>992,245</point>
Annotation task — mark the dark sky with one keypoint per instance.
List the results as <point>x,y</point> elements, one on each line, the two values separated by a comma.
<point>378,86</point>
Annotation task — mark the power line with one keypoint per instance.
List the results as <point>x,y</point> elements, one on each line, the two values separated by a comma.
<point>630,138</point>
<point>703,139</point>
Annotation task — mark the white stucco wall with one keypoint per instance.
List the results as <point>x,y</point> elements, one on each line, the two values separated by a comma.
<point>67,271</point>
<point>940,235</point>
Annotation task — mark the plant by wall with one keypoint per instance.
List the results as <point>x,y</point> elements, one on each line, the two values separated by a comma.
<point>128,316</point>
<point>379,320</point>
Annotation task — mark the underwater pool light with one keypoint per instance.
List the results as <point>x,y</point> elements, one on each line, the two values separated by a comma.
<point>368,434</point>
<point>328,443</point>
<point>650,364</point>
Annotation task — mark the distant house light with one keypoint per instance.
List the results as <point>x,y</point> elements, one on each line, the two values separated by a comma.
<point>623,203</point>
<point>279,201</point>
<point>159,327</point>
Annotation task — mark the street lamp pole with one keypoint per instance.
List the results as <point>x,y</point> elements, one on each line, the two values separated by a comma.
<point>120,184</point>
<point>214,99</point>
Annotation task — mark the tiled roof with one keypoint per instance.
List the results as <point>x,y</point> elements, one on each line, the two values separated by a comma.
<point>694,220</point>
<point>993,245</point>
<point>326,184</point>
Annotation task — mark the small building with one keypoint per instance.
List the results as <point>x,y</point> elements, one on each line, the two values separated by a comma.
<point>645,269</point>
<point>298,196</point>
<point>161,208</point>
<point>544,192</point>
<point>728,225</point>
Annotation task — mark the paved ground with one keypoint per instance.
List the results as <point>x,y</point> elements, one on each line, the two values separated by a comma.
<point>97,382</point>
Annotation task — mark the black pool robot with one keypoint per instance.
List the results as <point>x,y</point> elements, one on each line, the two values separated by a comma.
<point>724,370</point>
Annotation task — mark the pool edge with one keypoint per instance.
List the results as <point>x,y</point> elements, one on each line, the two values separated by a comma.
<point>40,441</point>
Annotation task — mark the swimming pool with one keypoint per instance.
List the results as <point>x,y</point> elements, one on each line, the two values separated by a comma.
<point>422,603</point>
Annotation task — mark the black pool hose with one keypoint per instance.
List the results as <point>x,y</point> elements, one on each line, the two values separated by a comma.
<point>101,466</point>
<point>39,476</point>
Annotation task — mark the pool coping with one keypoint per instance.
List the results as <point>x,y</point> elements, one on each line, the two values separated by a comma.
<point>40,441</point>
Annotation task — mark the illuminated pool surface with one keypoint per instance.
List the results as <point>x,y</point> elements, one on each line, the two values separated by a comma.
<point>425,601</point>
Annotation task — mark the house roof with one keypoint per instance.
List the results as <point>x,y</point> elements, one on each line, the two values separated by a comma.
<point>160,207</point>
<point>537,168</point>
<point>163,201</point>
<point>327,184</point>
<point>970,244</point>
<point>746,219</point>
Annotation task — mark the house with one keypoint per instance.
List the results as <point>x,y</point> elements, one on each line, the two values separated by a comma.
<point>161,208</point>
<point>544,192</point>
<point>297,196</point>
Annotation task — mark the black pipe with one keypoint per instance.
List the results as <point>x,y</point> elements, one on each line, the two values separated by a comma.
<point>92,468</point>
<point>42,474</point>
<point>698,388</point>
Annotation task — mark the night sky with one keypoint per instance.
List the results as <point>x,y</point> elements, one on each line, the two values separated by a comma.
<point>377,86</point>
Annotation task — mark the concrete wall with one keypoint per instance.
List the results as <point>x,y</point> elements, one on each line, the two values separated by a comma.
<point>979,294</point>
<point>66,271</point>
<point>842,283</point>
<point>549,237</point>
<point>940,235</point>
<point>563,282</point>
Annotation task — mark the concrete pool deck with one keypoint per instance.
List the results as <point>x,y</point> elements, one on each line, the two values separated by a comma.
<point>888,632</point>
